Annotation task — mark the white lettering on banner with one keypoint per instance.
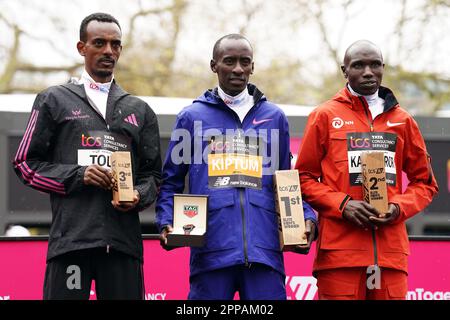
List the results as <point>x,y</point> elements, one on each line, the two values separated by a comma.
<point>5,298</point>
<point>238,164</point>
<point>155,296</point>
<point>94,156</point>
<point>354,161</point>
<point>421,294</point>
<point>304,288</point>
<point>184,144</point>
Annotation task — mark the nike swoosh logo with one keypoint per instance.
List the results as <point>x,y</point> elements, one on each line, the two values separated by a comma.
<point>393,124</point>
<point>255,122</point>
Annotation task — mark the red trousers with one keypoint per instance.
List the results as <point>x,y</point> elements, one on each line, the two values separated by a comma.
<point>362,284</point>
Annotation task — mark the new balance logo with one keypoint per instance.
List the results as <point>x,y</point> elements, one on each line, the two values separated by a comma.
<point>303,288</point>
<point>222,181</point>
<point>132,120</point>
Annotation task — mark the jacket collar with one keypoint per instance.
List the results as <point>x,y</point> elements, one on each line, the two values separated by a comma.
<point>354,102</point>
<point>115,94</point>
<point>77,89</point>
<point>212,95</point>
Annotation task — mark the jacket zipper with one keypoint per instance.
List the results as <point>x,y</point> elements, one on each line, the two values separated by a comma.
<point>241,194</point>
<point>374,236</point>
<point>366,108</point>
<point>241,201</point>
<point>375,251</point>
<point>107,128</point>
<point>241,191</point>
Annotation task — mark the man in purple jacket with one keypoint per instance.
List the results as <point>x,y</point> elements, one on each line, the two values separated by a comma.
<point>242,250</point>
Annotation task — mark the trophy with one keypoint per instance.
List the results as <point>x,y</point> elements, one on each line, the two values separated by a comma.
<point>289,208</point>
<point>189,220</point>
<point>374,181</point>
<point>123,176</point>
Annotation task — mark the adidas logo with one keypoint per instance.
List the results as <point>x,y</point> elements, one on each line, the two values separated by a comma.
<point>132,120</point>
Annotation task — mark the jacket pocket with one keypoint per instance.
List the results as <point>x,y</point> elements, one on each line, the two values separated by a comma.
<point>338,146</point>
<point>263,226</point>
<point>338,234</point>
<point>336,162</point>
<point>335,289</point>
<point>397,291</point>
<point>59,225</point>
<point>394,239</point>
<point>220,233</point>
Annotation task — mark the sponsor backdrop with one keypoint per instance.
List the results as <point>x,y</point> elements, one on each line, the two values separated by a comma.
<point>166,272</point>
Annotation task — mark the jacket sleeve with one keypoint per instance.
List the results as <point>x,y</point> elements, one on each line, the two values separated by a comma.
<point>285,142</point>
<point>148,173</point>
<point>33,163</point>
<point>285,164</point>
<point>417,166</point>
<point>313,149</point>
<point>174,172</point>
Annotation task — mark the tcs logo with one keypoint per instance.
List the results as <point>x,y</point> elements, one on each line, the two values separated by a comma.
<point>302,288</point>
<point>87,141</point>
<point>359,143</point>
<point>220,145</point>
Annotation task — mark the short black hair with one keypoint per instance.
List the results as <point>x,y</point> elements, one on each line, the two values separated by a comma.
<point>98,16</point>
<point>359,44</point>
<point>235,36</point>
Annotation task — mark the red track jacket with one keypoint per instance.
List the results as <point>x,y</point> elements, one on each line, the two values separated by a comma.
<point>328,163</point>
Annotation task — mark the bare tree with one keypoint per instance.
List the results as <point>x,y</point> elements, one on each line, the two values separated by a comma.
<point>151,57</point>
<point>432,88</point>
<point>146,74</point>
<point>149,66</point>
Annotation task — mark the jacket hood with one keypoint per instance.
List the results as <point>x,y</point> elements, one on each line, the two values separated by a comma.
<point>211,96</point>
<point>344,96</point>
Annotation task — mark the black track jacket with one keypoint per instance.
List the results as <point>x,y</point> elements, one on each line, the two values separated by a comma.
<point>62,123</point>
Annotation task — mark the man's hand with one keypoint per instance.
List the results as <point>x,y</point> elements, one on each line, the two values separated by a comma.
<point>163,237</point>
<point>97,176</point>
<point>390,216</point>
<point>127,206</point>
<point>310,233</point>
<point>359,213</point>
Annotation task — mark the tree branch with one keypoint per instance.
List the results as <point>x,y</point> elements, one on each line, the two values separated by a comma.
<point>24,67</point>
<point>143,13</point>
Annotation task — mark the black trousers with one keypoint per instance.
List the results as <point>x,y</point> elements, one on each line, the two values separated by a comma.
<point>117,276</point>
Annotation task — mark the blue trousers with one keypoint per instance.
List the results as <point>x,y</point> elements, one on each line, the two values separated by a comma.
<point>254,282</point>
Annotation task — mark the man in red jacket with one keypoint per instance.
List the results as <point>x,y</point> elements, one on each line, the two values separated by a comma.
<point>359,255</point>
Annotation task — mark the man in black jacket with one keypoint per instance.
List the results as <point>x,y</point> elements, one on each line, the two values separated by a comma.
<point>72,130</point>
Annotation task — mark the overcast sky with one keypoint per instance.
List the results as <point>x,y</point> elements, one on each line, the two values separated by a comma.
<point>271,31</point>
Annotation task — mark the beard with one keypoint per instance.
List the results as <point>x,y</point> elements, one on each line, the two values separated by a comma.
<point>103,73</point>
